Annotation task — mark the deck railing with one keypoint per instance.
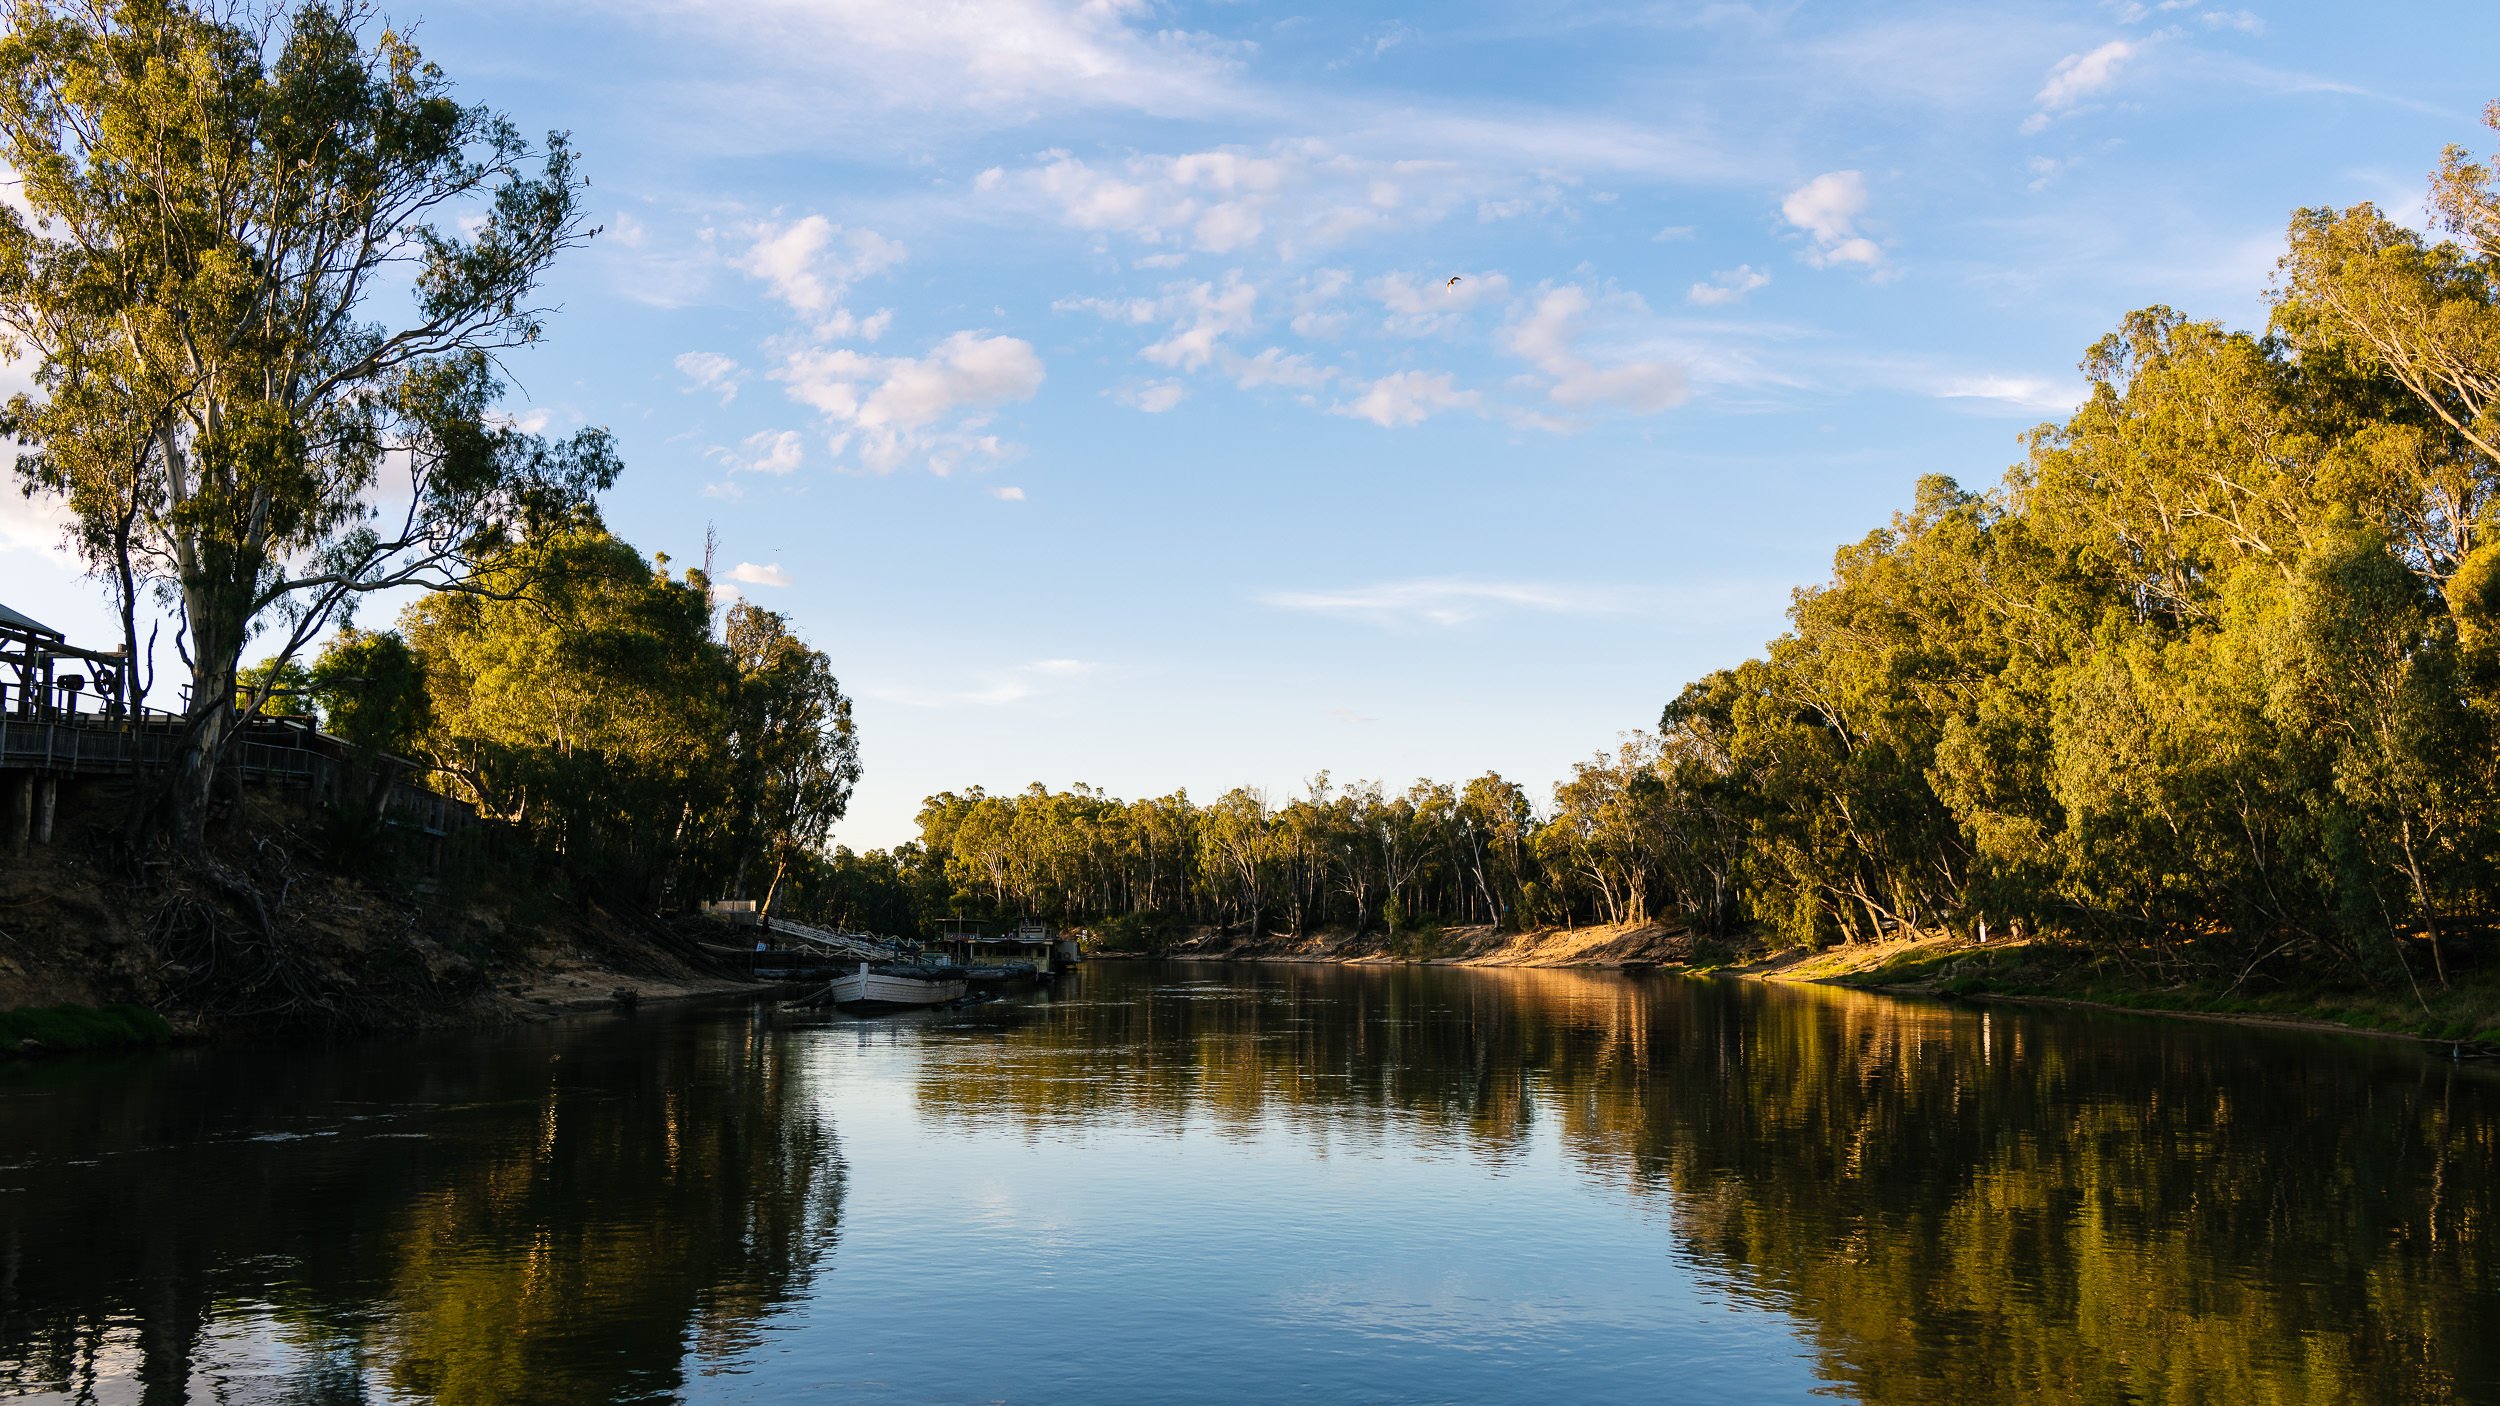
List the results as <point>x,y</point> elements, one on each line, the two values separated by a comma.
<point>38,734</point>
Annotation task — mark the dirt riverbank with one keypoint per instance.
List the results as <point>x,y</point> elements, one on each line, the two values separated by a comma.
<point>280,935</point>
<point>1482,945</point>
<point>2465,1016</point>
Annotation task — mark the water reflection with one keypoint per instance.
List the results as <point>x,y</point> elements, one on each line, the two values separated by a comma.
<point>579,1213</point>
<point>1959,1204</point>
<point>1241,1182</point>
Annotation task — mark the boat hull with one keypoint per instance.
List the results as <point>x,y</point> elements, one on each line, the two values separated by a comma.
<point>869,990</point>
<point>1006,974</point>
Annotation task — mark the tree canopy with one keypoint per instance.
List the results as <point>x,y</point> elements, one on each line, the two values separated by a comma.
<point>265,263</point>
<point>2210,678</point>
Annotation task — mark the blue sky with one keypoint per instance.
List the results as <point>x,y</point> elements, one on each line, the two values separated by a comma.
<point>1083,375</point>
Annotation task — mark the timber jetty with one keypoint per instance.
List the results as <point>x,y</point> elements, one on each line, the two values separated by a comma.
<point>66,712</point>
<point>782,950</point>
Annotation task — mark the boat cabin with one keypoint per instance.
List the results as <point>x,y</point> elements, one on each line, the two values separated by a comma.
<point>1029,944</point>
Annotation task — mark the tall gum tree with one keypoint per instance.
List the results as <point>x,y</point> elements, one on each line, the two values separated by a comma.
<point>263,269</point>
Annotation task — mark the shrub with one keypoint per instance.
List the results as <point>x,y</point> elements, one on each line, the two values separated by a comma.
<point>69,1029</point>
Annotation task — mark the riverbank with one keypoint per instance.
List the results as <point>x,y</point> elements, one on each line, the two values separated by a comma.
<point>1628,945</point>
<point>2466,1012</point>
<point>286,935</point>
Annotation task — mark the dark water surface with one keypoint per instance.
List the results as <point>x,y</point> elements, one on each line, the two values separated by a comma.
<point>1190,1182</point>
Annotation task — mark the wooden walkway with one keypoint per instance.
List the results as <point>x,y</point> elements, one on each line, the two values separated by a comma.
<point>55,726</point>
<point>274,752</point>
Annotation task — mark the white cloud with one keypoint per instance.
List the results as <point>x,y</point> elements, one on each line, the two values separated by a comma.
<point>1135,311</point>
<point>533,421</point>
<point>1728,286</point>
<point>2241,20</point>
<point>1203,315</point>
<point>1091,200</point>
<point>1008,494</point>
<point>1274,367</point>
<point>1432,304</point>
<point>765,452</point>
<point>2028,393</point>
<point>897,409</point>
<point>1200,315</point>
<point>1548,337</point>
<point>755,575</point>
<point>2078,76</point>
<point>1217,201</point>
<point>811,263</point>
<point>1408,398</point>
<point>1315,314</point>
<point>991,688</point>
<point>1542,202</point>
<point>1154,397</point>
<point>1827,208</point>
<point>710,371</point>
<point>40,525</point>
<point>966,60</point>
<point>1287,198</point>
<point>1448,601</point>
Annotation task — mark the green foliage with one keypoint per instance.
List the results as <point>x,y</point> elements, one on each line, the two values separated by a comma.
<point>78,1029</point>
<point>1137,932</point>
<point>1361,858</point>
<point>603,713</point>
<point>2202,683</point>
<point>2210,680</point>
<point>372,693</point>
<point>281,687</point>
<point>209,199</point>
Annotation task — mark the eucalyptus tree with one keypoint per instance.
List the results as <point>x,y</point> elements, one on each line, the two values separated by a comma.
<point>1494,821</point>
<point>371,688</point>
<point>596,713</point>
<point>793,746</point>
<point>1306,853</point>
<point>262,268</point>
<point>1236,853</point>
<point>2426,313</point>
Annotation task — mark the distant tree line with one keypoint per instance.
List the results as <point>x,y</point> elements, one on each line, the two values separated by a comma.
<point>1619,843</point>
<point>2210,677</point>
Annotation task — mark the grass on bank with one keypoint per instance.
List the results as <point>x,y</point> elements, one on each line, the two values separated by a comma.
<point>2467,1010</point>
<point>78,1029</point>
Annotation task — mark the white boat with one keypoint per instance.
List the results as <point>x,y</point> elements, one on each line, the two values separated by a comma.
<point>893,988</point>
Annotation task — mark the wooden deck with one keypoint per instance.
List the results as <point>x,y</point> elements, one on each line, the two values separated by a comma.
<point>56,725</point>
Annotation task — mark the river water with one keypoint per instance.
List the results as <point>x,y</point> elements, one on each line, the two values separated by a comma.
<point>1249,1183</point>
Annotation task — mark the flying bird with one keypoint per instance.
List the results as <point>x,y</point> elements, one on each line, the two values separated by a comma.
<point>1453,283</point>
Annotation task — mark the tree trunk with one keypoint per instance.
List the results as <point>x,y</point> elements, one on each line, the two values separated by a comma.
<point>2422,899</point>
<point>208,727</point>
<point>217,620</point>
<point>774,887</point>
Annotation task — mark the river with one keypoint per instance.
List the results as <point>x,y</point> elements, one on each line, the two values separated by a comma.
<point>1179,1181</point>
